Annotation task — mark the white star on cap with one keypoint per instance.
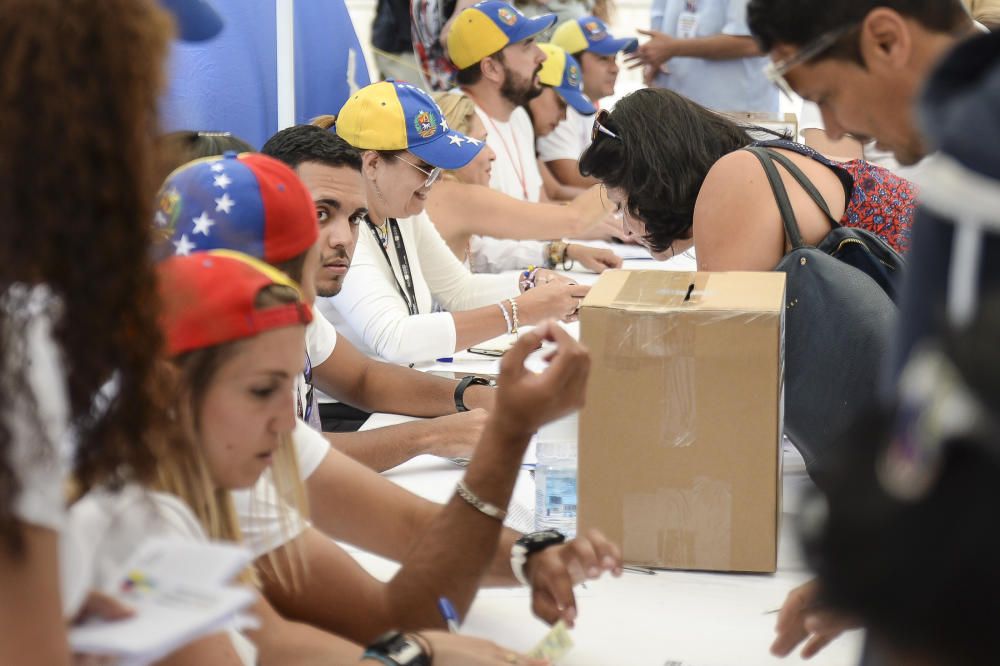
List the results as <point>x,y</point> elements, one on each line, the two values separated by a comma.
<point>217,167</point>
<point>184,246</point>
<point>456,140</point>
<point>224,204</point>
<point>474,142</point>
<point>222,180</point>
<point>202,223</point>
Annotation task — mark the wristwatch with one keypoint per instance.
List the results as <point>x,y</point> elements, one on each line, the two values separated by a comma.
<point>528,545</point>
<point>467,381</point>
<point>395,648</point>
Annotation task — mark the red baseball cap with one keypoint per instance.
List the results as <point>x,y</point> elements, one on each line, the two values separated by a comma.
<point>249,202</point>
<point>208,299</point>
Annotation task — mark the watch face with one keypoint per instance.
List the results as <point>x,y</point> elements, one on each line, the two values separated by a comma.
<point>543,537</point>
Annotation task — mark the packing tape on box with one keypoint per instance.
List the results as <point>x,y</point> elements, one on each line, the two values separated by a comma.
<point>694,526</point>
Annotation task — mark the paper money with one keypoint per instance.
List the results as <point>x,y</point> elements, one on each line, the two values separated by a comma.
<point>556,644</point>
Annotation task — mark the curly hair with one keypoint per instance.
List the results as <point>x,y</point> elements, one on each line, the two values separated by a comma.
<point>79,82</point>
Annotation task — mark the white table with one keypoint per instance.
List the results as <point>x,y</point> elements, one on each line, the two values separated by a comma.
<point>696,619</point>
<point>670,618</point>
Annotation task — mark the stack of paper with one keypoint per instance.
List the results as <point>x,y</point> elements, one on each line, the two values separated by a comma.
<point>179,591</point>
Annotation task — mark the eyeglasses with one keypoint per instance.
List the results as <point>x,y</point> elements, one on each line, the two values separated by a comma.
<point>599,128</point>
<point>775,71</point>
<point>432,175</point>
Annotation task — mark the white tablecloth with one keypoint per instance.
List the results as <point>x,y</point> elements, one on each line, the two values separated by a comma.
<point>667,619</point>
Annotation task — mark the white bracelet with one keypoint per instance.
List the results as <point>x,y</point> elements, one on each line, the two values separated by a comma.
<point>506,315</point>
<point>513,316</point>
<point>473,500</point>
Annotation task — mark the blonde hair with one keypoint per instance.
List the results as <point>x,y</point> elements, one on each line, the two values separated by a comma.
<point>458,110</point>
<point>183,470</point>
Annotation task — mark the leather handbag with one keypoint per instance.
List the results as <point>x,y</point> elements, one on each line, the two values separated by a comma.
<point>839,320</point>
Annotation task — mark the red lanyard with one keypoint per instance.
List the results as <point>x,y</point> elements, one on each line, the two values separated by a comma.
<point>519,170</point>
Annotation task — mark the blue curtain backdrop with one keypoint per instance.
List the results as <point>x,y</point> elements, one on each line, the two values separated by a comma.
<point>230,83</point>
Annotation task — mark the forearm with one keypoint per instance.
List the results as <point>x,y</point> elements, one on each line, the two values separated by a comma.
<point>716,47</point>
<point>399,390</point>
<point>280,641</point>
<point>500,574</point>
<point>443,565</point>
<point>384,448</point>
<point>475,326</point>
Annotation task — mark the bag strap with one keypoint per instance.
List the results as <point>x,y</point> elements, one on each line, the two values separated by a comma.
<point>806,184</point>
<point>780,195</point>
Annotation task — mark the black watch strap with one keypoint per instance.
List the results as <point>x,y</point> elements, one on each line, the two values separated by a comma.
<point>395,648</point>
<point>466,382</point>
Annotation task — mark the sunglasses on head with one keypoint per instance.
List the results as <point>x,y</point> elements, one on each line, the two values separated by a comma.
<point>600,128</point>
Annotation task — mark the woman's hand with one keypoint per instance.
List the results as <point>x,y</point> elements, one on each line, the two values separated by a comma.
<point>593,259</point>
<point>554,299</point>
<point>100,606</point>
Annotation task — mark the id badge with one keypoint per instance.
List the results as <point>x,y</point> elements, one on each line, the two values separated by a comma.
<point>687,25</point>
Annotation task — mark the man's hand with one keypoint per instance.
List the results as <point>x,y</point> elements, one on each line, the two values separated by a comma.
<point>800,619</point>
<point>458,650</point>
<point>593,259</point>
<point>554,571</point>
<point>660,48</point>
<point>526,400</point>
<point>456,435</point>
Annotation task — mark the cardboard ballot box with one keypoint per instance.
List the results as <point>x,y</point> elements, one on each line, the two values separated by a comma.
<point>680,439</point>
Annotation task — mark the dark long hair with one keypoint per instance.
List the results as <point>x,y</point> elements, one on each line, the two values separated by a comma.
<point>79,82</point>
<point>666,144</point>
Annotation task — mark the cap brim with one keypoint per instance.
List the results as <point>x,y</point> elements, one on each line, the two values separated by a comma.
<point>197,20</point>
<point>612,46</point>
<point>533,26</point>
<point>577,100</point>
<point>449,150</point>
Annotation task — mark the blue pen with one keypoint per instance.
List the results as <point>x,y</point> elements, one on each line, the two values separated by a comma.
<point>446,359</point>
<point>448,613</point>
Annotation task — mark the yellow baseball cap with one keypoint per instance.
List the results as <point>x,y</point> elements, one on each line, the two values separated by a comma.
<point>561,71</point>
<point>486,27</point>
<point>589,33</point>
<point>394,115</point>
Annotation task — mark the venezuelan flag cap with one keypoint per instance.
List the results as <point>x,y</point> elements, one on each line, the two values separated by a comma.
<point>561,71</point>
<point>394,115</point>
<point>590,33</point>
<point>486,27</point>
<point>250,203</point>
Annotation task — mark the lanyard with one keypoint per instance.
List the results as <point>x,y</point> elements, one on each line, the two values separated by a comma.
<point>519,169</point>
<point>409,294</point>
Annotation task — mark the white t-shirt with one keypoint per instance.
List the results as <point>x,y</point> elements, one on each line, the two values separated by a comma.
<point>321,339</point>
<point>42,445</point>
<point>104,530</point>
<point>515,173</point>
<point>568,140</point>
<point>371,313</point>
<point>515,170</point>
<point>265,523</point>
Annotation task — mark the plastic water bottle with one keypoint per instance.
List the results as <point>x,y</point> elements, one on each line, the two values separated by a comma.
<point>555,477</point>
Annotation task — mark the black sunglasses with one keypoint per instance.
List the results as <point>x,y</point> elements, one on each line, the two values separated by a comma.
<point>599,128</point>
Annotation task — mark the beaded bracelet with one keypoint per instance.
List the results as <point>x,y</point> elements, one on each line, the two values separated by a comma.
<point>513,316</point>
<point>483,507</point>
<point>506,315</point>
